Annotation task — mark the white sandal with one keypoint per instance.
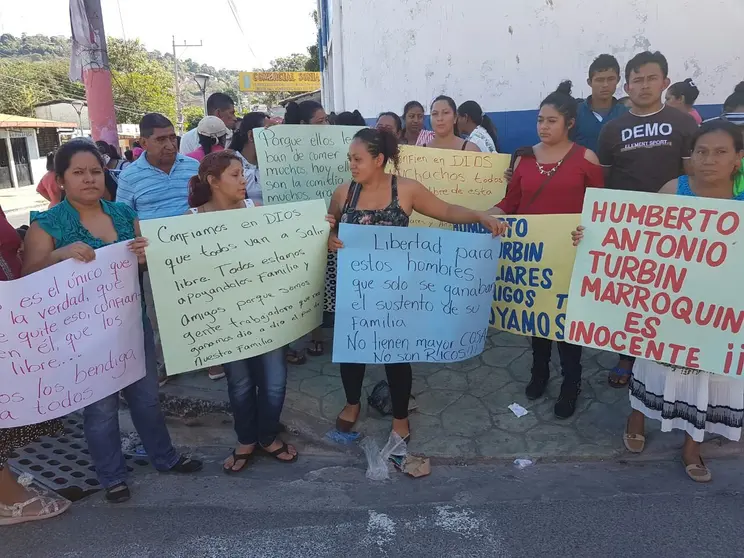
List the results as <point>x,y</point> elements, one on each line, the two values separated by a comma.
<point>50,507</point>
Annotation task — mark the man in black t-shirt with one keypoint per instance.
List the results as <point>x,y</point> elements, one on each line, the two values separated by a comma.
<point>645,148</point>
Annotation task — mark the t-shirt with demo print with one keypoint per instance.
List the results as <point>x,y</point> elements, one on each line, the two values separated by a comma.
<point>643,153</point>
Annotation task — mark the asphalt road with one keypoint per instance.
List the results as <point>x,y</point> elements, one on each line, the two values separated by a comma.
<point>322,507</point>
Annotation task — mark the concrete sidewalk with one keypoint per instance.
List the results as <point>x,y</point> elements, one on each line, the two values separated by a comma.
<point>17,204</point>
<point>463,410</point>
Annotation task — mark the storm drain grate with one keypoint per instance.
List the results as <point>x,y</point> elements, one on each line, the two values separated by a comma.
<point>63,464</point>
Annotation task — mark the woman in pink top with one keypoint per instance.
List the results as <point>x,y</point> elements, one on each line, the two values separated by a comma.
<point>682,95</point>
<point>212,137</point>
<point>48,187</point>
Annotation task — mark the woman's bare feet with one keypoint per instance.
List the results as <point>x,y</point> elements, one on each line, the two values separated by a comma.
<point>289,454</point>
<point>401,427</point>
<point>694,465</point>
<point>636,423</point>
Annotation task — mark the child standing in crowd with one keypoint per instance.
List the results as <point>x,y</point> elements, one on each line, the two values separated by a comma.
<point>645,148</point>
<point>375,197</point>
<point>73,229</point>
<point>682,96</point>
<point>601,106</point>
<point>552,177</point>
<point>681,398</point>
<point>477,126</point>
<point>444,123</point>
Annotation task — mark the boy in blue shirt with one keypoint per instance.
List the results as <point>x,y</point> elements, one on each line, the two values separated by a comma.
<point>601,106</point>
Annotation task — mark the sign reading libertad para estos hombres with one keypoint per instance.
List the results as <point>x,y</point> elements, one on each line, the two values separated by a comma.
<point>659,277</point>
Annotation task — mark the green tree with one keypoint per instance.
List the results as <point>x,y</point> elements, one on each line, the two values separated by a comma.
<point>191,117</point>
<point>140,83</point>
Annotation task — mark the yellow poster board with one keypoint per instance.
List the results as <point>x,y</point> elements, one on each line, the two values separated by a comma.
<point>473,180</point>
<point>535,264</point>
<point>266,82</point>
<point>230,285</point>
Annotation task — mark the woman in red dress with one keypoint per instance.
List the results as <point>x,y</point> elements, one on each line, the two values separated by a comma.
<point>551,178</point>
<point>19,504</point>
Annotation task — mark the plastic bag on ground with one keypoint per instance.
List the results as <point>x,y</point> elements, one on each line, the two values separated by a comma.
<point>377,468</point>
<point>377,461</point>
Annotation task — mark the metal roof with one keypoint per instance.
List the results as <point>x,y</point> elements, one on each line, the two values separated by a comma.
<point>13,121</point>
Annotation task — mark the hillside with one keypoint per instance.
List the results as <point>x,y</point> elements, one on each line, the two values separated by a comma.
<point>34,69</point>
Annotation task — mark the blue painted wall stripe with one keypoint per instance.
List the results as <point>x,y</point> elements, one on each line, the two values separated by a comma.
<point>517,128</point>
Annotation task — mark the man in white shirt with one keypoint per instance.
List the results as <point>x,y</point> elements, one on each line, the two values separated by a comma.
<point>219,105</point>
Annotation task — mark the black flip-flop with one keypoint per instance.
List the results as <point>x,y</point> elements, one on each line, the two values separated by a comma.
<point>277,452</point>
<point>245,457</point>
<point>118,494</point>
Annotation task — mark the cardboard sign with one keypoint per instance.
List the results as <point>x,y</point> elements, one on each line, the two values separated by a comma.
<point>230,285</point>
<point>535,267</point>
<point>71,335</point>
<point>659,277</point>
<point>473,180</point>
<point>300,163</point>
<point>412,295</point>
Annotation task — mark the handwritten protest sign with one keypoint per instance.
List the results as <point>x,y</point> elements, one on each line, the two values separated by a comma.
<point>412,295</point>
<point>535,264</point>
<point>230,285</point>
<point>300,163</point>
<point>659,277</point>
<point>71,335</point>
<point>473,180</point>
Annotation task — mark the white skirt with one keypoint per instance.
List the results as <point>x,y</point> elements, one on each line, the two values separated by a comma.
<point>690,400</point>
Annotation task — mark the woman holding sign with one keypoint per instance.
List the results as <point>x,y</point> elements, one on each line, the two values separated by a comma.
<point>552,177</point>
<point>74,229</point>
<point>682,398</point>
<point>256,386</point>
<point>375,197</point>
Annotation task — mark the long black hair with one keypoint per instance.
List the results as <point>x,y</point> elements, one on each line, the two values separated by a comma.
<point>250,122</point>
<point>380,142</point>
<point>301,113</point>
<point>563,102</point>
<point>474,111</point>
<point>736,99</point>
<point>685,90</point>
<point>350,119</point>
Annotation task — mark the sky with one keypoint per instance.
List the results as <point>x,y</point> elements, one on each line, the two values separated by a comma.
<point>272,28</point>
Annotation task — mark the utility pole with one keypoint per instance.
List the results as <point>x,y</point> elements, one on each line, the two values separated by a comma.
<point>179,107</point>
<point>89,64</point>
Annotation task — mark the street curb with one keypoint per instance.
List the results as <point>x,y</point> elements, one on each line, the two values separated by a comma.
<point>296,423</point>
<point>313,430</point>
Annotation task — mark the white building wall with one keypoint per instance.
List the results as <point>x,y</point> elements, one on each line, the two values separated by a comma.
<point>509,54</point>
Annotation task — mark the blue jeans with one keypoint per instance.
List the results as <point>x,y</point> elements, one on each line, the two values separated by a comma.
<point>256,387</point>
<point>101,423</point>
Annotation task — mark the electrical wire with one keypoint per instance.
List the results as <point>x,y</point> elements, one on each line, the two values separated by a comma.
<point>57,92</point>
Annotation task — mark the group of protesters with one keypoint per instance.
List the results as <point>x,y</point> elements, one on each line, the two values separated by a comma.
<point>582,144</point>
